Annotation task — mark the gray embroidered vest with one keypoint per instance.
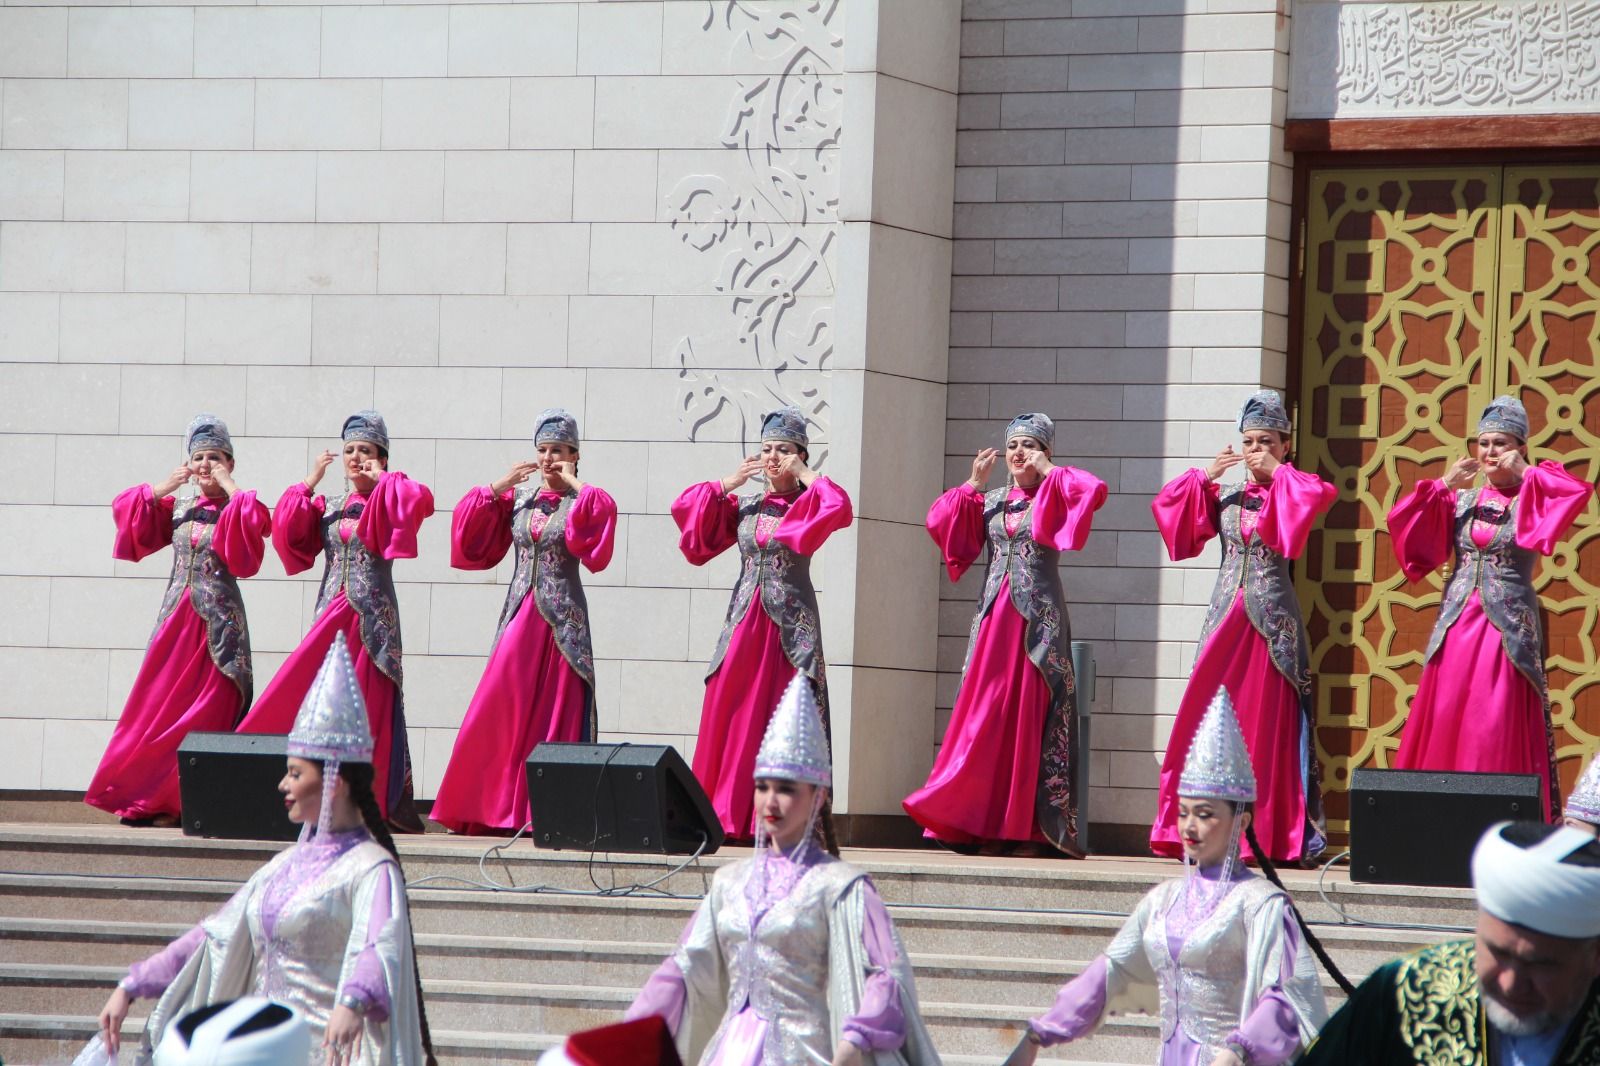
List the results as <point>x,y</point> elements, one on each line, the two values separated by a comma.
<point>213,592</point>
<point>548,569</point>
<point>1037,595</point>
<point>1502,574</point>
<point>782,580</point>
<point>368,583</point>
<point>1269,599</point>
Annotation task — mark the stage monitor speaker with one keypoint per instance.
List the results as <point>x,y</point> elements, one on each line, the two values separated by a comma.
<point>229,786</point>
<point>1418,827</point>
<point>620,798</point>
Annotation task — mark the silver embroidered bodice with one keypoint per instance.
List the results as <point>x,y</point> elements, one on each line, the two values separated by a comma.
<point>1269,598</point>
<point>367,581</point>
<point>213,591</point>
<point>1501,573</point>
<point>546,567</point>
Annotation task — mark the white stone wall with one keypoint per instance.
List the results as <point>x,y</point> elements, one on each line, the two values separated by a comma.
<point>458,214</point>
<point>1121,254</point>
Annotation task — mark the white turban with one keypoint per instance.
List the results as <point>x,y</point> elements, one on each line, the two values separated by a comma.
<point>1539,886</point>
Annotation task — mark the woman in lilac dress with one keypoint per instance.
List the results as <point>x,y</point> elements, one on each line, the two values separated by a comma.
<point>1219,955</point>
<point>791,957</point>
<point>1483,703</point>
<point>1253,642</point>
<point>539,683</point>
<point>1004,775</point>
<point>322,928</point>
<point>196,672</point>
<point>358,534</point>
<point>772,629</point>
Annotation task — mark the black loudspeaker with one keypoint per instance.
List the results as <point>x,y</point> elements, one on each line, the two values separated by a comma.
<point>229,786</point>
<point>1418,827</point>
<point>619,797</point>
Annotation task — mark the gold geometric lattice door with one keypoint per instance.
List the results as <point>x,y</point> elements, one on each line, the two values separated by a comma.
<point>1426,292</point>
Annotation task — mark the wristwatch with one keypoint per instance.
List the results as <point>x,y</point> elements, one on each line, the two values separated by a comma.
<point>354,1002</point>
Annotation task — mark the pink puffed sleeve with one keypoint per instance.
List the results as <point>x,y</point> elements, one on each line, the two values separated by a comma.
<point>878,1024</point>
<point>955,522</point>
<point>1187,513</point>
<point>1295,500</point>
<point>1078,1006</point>
<point>480,529</point>
<point>396,508</point>
<point>241,534</point>
<point>144,523</point>
<point>1065,507</point>
<point>1550,501</point>
<point>708,521</point>
<point>592,528</point>
<point>150,977</point>
<point>1422,529</point>
<point>816,514</point>
<point>297,527</point>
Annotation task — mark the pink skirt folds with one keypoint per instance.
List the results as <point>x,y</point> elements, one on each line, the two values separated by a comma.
<point>277,706</point>
<point>1235,656</point>
<point>985,779</point>
<point>179,690</point>
<point>529,694</point>
<point>1474,711</point>
<point>739,701</point>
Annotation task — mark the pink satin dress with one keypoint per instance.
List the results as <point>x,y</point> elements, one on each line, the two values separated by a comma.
<point>179,689</point>
<point>1474,710</point>
<point>984,782</point>
<point>1278,516</point>
<point>529,692</point>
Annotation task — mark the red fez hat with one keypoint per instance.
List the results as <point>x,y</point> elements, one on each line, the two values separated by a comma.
<point>645,1042</point>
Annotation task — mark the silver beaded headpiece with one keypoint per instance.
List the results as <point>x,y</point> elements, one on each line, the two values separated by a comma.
<point>1264,410</point>
<point>1218,766</point>
<point>786,423</point>
<point>368,426</point>
<point>1035,424</point>
<point>207,431</point>
<point>1584,803</point>
<point>556,424</point>
<point>1505,414</point>
<point>332,723</point>
<point>795,747</point>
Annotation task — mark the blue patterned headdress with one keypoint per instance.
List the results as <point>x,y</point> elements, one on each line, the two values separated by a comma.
<point>786,423</point>
<point>795,747</point>
<point>207,431</point>
<point>1264,410</point>
<point>368,426</point>
<point>1035,424</point>
<point>1505,414</point>
<point>556,424</point>
<point>1218,766</point>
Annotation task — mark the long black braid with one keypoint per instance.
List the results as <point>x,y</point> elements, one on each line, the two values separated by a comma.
<point>1311,938</point>
<point>359,776</point>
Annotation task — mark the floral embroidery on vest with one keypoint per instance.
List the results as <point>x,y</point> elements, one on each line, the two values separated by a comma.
<point>213,592</point>
<point>547,568</point>
<point>1437,993</point>
<point>367,581</point>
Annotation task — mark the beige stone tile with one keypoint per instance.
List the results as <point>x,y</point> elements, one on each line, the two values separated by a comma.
<point>21,753</point>
<point>185,257</point>
<point>650,258</point>
<point>519,40</point>
<point>611,331</point>
<point>150,42</point>
<point>693,44</point>
<point>272,606</point>
<point>524,392</point>
<point>309,401</point>
<point>614,186</point>
<point>891,738</point>
<point>550,258</point>
<point>453,258</point>
<point>257,42</point>
<point>439,687</point>
<point>552,112</point>
<point>460,465</point>
<point>508,186</point>
<point>58,113</point>
<point>653,112</point>
<point>439,401</point>
<point>148,392</point>
<point>388,41</point>
<point>331,113</point>
<point>247,329</point>
<point>620,468</point>
<point>685,176</point>
<point>675,464</point>
<point>429,764</point>
<point>913,40</point>
<point>30,474</point>
<point>117,327</point>
<point>127,186</point>
<point>375,330</point>
<point>52,683</point>
<point>618,39</point>
<point>102,612</point>
<point>324,258</point>
<point>267,465</point>
<point>57,541</point>
<point>911,183</point>
<point>253,187</point>
<point>464,618</point>
<point>416,600</point>
<point>191,114</point>
<point>29,327</point>
<point>65,257</point>
<point>653,556</point>
<point>31,184</point>
<point>33,43</point>
<point>503,330</point>
<point>660,697</point>
<point>639,623</point>
<point>719,331</point>
<point>72,751</point>
<point>44,397</point>
<point>446,113</point>
<point>892,308</point>
<point>380,186</point>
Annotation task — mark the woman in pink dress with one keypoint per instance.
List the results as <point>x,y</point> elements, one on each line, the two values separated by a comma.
<point>1004,775</point>
<point>539,684</point>
<point>1483,704</point>
<point>759,650</point>
<point>359,534</point>
<point>196,671</point>
<point>1253,642</point>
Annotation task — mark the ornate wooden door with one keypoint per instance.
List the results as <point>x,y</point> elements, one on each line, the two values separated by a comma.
<point>1426,292</point>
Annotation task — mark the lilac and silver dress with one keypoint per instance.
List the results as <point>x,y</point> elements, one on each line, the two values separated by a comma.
<point>1220,963</point>
<point>322,921</point>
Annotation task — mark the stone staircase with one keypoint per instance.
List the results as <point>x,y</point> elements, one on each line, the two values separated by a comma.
<point>506,974</point>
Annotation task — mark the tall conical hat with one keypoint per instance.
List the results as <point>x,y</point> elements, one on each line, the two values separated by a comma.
<point>795,747</point>
<point>1584,803</point>
<point>332,723</point>
<point>1218,766</point>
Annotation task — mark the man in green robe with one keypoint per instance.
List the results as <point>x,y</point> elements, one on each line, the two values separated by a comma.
<point>1525,991</point>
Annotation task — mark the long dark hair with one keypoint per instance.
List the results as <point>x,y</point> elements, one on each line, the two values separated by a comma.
<point>1271,873</point>
<point>359,776</point>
